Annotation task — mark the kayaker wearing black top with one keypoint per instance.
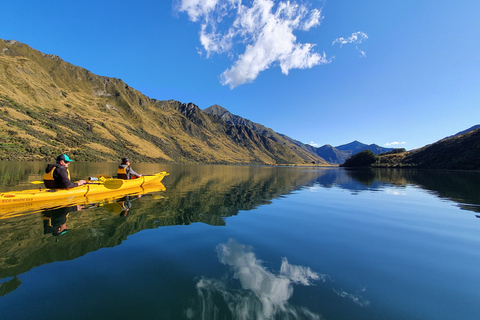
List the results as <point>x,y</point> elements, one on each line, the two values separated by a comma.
<point>125,172</point>
<point>55,221</point>
<point>57,175</point>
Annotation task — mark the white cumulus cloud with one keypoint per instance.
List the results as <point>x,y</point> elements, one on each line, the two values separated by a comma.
<point>265,29</point>
<point>395,143</point>
<point>356,38</point>
<point>198,8</point>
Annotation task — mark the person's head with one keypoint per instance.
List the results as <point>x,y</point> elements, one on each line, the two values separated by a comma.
<point>64,160</point>
<point>126,161</point>
<point>56,222</point>
<point>59,230</point>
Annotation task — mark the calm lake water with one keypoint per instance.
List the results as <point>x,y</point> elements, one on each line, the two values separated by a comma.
<point>239,242</point>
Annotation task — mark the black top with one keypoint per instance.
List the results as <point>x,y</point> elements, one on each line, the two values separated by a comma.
<point>60,176</point>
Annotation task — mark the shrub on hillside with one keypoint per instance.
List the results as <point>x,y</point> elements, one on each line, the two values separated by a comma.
<point>394,151</point>
<point>362,159</point>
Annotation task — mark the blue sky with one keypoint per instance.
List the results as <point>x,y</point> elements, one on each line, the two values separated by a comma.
<point>398,73</point>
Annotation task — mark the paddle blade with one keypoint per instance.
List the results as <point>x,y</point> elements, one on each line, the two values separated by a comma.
<point>36,182</point>
<point>113,183</point>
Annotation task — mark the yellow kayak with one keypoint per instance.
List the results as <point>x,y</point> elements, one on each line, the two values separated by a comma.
<point>37,199</point>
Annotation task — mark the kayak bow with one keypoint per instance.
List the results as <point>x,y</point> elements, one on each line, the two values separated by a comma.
<point>27,198</point>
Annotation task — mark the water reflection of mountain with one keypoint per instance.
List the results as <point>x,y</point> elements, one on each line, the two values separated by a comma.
<point>205,194</point>
<point>462,187</point>
<point>209,194</point>
<point>350,180</point>
<point>459,186</point>
<point>14,174</point>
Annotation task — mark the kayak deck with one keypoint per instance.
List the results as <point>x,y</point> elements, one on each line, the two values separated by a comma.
<point>18,209</point>
<point>26,198</point>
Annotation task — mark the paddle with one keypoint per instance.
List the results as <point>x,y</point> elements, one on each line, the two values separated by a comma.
<point>104,176</point>
<point>163,173</point>
<point>108,183</point>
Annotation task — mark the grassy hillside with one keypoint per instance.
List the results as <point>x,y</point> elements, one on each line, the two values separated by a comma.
<point>49,106</point>
<point>461,151</point>
<point>458,152</point>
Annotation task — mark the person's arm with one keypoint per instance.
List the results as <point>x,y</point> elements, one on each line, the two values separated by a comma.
<point>133,173</point>
<point>62,179</point>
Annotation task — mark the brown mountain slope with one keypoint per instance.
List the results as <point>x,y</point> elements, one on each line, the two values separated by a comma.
<point>49,106</point>
<point>461,151</point>
<point>458,152</point>
<point>297,148</point>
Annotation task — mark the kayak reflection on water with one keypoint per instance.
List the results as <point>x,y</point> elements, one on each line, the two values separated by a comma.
<point>55,221</point>
<point>122,205</point>
<point>14,203</point>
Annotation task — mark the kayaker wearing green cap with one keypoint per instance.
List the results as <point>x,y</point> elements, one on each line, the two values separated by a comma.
<point>57,175</point>
<point>55,220</point>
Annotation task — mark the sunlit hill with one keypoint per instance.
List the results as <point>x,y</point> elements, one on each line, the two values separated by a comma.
<point>48,106</point>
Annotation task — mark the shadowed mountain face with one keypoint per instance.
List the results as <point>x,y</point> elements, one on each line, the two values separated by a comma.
<point>49,106</point>
<point>458,152</point>
<point>465,131</point>
<point>298,148</point>
<point>333,155</point>
<point>461,151</point>
<point>355,147</point>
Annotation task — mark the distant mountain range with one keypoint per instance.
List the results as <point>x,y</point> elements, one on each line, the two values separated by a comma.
<point>333,155</point>
<point>460,151</point>
<point>49,106</point>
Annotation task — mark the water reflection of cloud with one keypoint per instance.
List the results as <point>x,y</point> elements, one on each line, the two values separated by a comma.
<point>356,298</point>
<point>396,191</point>
<point>272,290</point>
<point>263,294</point>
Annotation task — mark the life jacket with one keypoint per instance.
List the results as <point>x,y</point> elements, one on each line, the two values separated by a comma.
<point>58,219</point>
<point>52,219</point>
<point>122,173</point>
<point>49,227</point>
<point>48,179</point>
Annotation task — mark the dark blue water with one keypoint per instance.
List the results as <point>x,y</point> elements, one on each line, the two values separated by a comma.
<point>232,242</point>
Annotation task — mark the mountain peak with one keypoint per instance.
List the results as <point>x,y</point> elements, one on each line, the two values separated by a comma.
<point>354,145</point>
<point>216,110</point>
<point>51,106</point>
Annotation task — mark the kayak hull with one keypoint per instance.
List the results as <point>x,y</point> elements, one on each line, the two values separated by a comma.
<point>38,199</point>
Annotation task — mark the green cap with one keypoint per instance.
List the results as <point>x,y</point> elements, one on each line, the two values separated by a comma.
<point>63,157</point>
